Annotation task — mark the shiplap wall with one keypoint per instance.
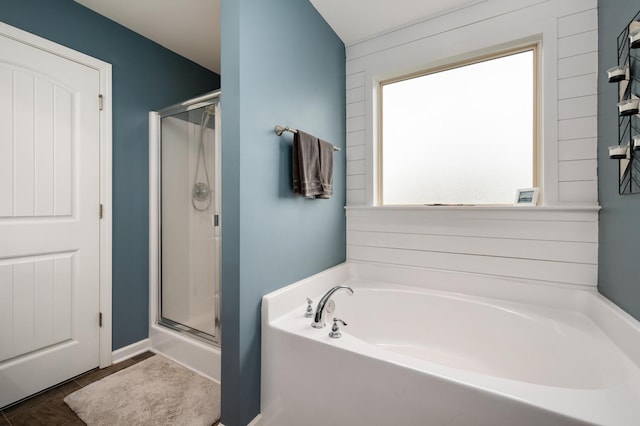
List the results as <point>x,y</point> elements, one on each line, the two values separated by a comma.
<point>552,245</point>
<point>568,31</point>
<point>556,244</point>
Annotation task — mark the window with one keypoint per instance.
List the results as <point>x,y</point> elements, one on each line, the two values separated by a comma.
<point>465,134</point>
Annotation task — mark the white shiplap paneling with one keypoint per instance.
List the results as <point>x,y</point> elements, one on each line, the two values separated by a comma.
<point>569,100</point>
<point>578,149</point>
<point>549,250</point>
<point>355,94</point>
<point>578,22</point>
<point>355,196</point>
<point>355,182</point>
<point>551,245</point>
<point>577,65</point>
<point>577,170</point>
<point>355,138</point>
<point>578,44</point>
<point>355,153</point>
<point>355,109</point>
<point>578,128</point>
<point>356,167</point>
<point>355,80</point>
<point>355,123</point>
<point>575,87</point>
<point>579,107</point>
<point>579,191</point>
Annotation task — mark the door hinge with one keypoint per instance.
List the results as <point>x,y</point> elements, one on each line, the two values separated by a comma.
<point>100,102</point>
<point>216,220</point>
<point>100,210</point>
<point>100,319</point>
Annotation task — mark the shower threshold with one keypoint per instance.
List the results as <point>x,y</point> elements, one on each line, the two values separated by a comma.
<point>185,329</point>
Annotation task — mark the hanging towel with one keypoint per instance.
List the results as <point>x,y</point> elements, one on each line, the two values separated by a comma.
<point>296,165</point>
<point>326,168</point>
<point>306,165</point>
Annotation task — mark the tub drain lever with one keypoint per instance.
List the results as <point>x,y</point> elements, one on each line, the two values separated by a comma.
<point>335,331</point>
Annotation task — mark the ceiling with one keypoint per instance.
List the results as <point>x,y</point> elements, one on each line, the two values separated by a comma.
<point>191,27</point>
<point>357,20</point>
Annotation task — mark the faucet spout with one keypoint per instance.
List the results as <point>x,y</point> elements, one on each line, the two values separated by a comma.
<point>318,320</point>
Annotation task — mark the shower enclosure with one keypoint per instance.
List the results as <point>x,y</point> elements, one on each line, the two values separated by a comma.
<point>185,231</point>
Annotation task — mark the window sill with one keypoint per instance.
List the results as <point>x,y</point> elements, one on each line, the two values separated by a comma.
<point>488,208</point>
<point>450,214</point>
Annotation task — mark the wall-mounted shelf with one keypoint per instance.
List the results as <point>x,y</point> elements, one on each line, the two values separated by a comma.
<point>627,75</point>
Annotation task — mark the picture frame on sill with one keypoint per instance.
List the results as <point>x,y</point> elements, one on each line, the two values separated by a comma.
<point>526,197</point>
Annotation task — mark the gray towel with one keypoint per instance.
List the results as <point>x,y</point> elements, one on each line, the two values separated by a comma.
<point>326,168</point>
<point>296,165</point>
<point>306,165</point>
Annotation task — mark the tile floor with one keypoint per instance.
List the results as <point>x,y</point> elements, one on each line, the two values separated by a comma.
<point>48,408</point>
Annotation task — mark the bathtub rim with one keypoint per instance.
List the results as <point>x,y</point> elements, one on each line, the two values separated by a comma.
<point>618,325</point>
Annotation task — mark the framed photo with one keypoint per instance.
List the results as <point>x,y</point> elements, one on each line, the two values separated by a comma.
<point>526,197</point>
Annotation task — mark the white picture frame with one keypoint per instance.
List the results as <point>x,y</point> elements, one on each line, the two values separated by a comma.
<point>526,197</point>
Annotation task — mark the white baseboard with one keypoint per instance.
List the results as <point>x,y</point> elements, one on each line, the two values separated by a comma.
<point>257,421</point>
<point>130,351</point>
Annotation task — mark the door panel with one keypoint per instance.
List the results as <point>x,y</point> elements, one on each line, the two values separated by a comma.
<point>49,224</point>
<point>36,145</point>
<point>37,292</point>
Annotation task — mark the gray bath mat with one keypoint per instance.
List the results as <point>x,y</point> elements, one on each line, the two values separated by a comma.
<point>156,392</point>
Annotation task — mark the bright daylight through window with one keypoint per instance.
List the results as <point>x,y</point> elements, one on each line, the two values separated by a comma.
<point>463,135</point>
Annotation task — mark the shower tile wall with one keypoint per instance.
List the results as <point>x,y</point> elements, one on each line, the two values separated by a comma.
<point>188,235</point>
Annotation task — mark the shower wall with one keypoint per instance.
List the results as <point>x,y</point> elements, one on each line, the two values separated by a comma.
<point>189,274</point>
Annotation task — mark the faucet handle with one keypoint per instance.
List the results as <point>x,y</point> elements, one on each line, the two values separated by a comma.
<point>309,312</point>
<point>335,330</point>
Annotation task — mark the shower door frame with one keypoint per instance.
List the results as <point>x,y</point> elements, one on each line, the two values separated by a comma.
<point>155,214</point>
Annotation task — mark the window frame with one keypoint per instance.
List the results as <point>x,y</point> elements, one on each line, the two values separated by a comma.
<point>535,47</point>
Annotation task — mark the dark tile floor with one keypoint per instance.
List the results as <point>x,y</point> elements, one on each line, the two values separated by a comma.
<point>48,408</point>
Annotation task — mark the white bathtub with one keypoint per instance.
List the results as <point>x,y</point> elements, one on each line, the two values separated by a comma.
<point>435,348</point>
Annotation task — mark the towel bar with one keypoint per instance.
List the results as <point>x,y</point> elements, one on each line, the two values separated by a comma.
<point>280,130</point>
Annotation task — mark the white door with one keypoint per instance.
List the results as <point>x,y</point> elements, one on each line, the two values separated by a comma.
<point>49,219</point>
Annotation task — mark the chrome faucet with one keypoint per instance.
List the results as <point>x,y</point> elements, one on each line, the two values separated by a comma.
<point>318,320</point>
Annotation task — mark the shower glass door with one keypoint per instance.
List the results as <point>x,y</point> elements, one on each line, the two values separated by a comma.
<point>189,220</point>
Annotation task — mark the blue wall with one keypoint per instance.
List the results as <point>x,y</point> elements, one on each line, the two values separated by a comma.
<point>281,64</point>
<point>146,77</point>
<point>618,266</point>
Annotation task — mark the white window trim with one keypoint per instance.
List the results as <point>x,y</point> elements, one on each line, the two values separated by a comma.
<point>374,193</point>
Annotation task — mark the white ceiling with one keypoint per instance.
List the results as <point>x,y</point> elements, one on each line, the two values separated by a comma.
<point>191,28</point>
<point>357,20</point>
